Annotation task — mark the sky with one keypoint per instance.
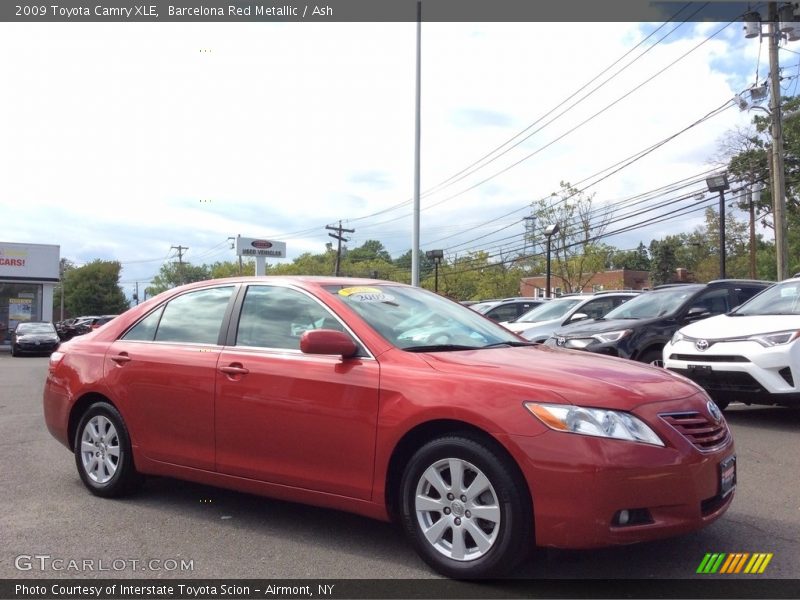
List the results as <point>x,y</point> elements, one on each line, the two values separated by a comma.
<point>121,140</point>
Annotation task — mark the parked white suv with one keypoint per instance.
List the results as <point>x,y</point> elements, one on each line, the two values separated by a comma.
<point>750,354</point>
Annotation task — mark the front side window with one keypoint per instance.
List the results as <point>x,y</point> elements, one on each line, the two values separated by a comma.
<point>715,302</point>
<point>276,317</point>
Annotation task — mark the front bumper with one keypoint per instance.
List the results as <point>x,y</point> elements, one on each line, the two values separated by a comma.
<point>579,484</point>
<point>34,348</point>
<point>742,371</point>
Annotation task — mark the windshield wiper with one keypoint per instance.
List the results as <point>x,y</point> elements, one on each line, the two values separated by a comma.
<point>513,344</point>
<point>440,348</point>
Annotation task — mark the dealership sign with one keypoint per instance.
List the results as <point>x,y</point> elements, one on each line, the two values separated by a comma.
<point>260,248</point>
<point>29,261</point>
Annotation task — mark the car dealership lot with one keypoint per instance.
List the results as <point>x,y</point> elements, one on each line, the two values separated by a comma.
<point>183,530</point>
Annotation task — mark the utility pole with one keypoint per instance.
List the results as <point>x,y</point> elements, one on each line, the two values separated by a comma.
<point>417,135</point>
<point>752,209</point>
<point>338,236</point>
<point>136,293</point>
<point>180,250</point>
<point>778,179</point>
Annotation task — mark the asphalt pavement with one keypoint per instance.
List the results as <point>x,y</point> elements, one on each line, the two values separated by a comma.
<point>51,527</point>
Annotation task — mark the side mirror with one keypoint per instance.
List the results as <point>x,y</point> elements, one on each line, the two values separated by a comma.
<point>578,317</point>
<point>328,341</point>
<point>697,312</point>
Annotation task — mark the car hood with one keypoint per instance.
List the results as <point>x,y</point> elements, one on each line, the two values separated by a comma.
<point>588,328</point>
<point>533,327</point>
<point>723,326</point>
<point>579,377</point>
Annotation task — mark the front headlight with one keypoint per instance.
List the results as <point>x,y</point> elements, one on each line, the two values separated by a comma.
<point>597,422</point>
<point>678,337</point>
<point>775,339</point>
<point>611,336</point>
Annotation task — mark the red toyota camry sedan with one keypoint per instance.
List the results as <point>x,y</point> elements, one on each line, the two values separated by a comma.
<point>391,402</point>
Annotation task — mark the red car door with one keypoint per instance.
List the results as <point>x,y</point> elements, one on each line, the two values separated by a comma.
<point>290,418</point>
<point>162,373</point>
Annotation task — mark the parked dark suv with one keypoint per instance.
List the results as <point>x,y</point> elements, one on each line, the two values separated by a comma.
<point>640,328</point>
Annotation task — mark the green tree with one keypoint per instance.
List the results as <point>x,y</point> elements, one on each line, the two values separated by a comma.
<point>576,257</point>
<point>633,260</point>
<point>230,268</point>
<point>64,265</point>
<point>664,262</point>
<point>94,289</point>
<point>174,274</point>
<point>748,154</point>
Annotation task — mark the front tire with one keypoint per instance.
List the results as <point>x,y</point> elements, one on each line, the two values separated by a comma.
<point>464,508</point>
<point>103,452</point>
<point>653,357</point>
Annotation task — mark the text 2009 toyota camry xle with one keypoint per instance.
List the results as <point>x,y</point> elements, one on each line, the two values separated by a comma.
<point>391,402</point>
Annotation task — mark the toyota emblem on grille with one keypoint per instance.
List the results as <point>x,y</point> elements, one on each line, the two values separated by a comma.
<point>561,341</point>
<point>701,345</point>
<point>714,411</point>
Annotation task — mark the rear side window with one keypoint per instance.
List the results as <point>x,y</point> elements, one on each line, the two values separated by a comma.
<point>505,312</point>
<point>145,330</point>
<point>195,317</point>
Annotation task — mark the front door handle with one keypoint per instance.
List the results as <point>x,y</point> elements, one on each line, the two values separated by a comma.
<point>234,370</point>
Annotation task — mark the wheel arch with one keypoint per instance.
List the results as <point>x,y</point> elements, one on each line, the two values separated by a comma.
<point>651,347</point>
<point>430,430</point>
<point>79,408</point>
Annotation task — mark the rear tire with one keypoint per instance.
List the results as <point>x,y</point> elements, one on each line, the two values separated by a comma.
<point>464,508</point>
<point>103,452</point>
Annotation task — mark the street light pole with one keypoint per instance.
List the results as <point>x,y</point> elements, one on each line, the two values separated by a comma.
<point>436,256</point>
<point>722,234</point>
<point>719,183</point>
<point>549,232</point>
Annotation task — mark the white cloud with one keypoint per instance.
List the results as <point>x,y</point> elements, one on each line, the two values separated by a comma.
<point>121,140</point>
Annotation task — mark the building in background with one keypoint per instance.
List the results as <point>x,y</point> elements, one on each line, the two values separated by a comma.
<point>621,279</point>
<point>28,275</point>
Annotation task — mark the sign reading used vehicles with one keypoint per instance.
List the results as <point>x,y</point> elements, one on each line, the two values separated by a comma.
<point>260,247</point>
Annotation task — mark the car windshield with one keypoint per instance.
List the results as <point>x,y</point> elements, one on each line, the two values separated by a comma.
<point>780,299</point>
<point>35,328</point>
<point>554,309</point>
<point>657,303</point>
<point>415,319</point>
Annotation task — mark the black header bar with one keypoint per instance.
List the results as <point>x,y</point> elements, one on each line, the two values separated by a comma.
<point>143,11</point>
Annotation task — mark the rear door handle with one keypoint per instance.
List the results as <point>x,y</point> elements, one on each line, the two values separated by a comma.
<point>122,358</point>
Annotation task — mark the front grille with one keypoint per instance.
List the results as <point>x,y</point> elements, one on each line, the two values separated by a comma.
<point>704,358</point>
<point>786,373</point>
<point>724,381</point>
<point>704,433</point>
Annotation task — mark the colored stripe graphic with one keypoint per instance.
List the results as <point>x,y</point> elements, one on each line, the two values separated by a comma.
<point>728,564</point>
